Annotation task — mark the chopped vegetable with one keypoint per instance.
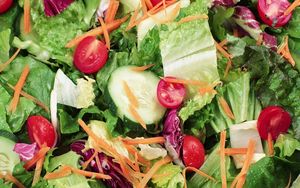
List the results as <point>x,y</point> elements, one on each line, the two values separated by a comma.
<point>111,11</point>
<point>27,19</point>
<point>226,108</point>
<point>12,179</point>
<point>270,145</point>
<point>133,100</point>
<point>222,159</point>
<point>198,172</point>
<point>105,32</point>
<point>152,140</point>
<point>4,65</point>
<point>40,154</point>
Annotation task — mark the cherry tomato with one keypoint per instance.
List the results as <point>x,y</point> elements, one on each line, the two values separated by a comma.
<point>193,152</point>
<point>274,120</point>
<point>5,5</point>
<point>41,131</point>
<point>90,55</point>
<point>170,95</point>
<point>155,2</point>
<point>271,12</point>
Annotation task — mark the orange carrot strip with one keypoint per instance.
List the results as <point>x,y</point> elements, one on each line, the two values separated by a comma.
<point>235,151</point>
<point>149,4</point>
<point>144,7</point>
<point>156,8</point>
<point>105,32</point>
<point>223,43</point>
<point>38,170</point>
<point>89,174</point>
<point>235,33</point>
<point>259,40</point>
<point>32,98</point>
<point>209,90</point>
<point>222,159</point>
<point>192,18</point>
<point>101,143</point>
<point>42,152</point>
<point>111,11</point>
<point>86,163</point>
<point>201,173</point>
<point>131,149</point>
<point>168,17</point>
<point>142,68</point>
<point>228,66</point>
<point>131,97</point>
<point>226,108</point>
<point>186,82</point>
<point>62,172</point>
<point>4,65</point>
<point>240,179</point>
<point>27,24</point>
<point>136,141</point>
<point>97,31</point>
<point>132,19</point>
<point>18,88</point>
<point>270,145</point>
<point>153,169</point>
<point>222,51</point>
<point>292,7</point>
<point>10,178</point>
<point>285,51</point>
<point>137,116</point>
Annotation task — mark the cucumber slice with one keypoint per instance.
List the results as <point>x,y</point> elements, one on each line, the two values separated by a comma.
<point>8,158</point>
<point>143,85</point>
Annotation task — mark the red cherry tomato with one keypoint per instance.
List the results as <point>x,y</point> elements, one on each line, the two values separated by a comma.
<point>90,55</point>
<point>193,152</point>
<point>274,120</point>
<point>170,95</point>
<point>155,2</point>
<point>271,12</point>
<point>5,5</point>
<point>41,131</point>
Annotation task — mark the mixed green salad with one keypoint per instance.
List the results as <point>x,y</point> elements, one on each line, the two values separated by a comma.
<point>149,93</point>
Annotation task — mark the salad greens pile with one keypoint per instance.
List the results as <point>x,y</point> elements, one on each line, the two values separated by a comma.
<point>173,76</point>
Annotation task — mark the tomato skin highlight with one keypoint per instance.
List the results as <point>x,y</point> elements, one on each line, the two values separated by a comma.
<point>193,153</point>
<point>5,5</point>
<point>273,14</point>
<point>41,131</point>
<point>273,120</point>
<point>170,95</point>
<point>90,55</point>
<point>155,2</point>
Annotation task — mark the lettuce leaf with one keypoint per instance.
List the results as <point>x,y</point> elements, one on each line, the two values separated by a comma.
<point>4,45</point>
<point>173,179</point>
<point>287,145</point>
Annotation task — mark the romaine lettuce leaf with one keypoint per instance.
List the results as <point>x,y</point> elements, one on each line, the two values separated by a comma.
<point>70,158</point>
<point>173,178</point>
<point>287,145</point>
<point>4,45</point>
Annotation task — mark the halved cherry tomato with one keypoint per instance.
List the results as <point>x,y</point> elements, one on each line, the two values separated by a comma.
<point>41,131</point>
<point>271,12</point>
<point>90,55</point>
<point>5,5</point>
<point>170,95</point>
<point>155,2</point>
<point>274,120</point>
<point>193,152</point>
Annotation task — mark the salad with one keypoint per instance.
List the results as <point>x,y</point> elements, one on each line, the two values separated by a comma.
<point>149,93</point>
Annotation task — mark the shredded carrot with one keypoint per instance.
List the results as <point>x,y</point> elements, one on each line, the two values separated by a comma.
<point>158,176</point>
<point>137,116</point>
<point>88,173</point>
<point>201,173</point>
<point>149,4</point>
<point>186,82</point>
<point>235,151</point>
<point>131,149</point>
<point>142,68</point>
<point>105,32</point>
<point>33,99</point>
<point>240,179</point>
<point>235,33</point>
<point>289,182</point>
<point>27,24</point>
<point>101,143</point>
<point>222,51</point>
<point>226,108</point>
<point>38,170</point>
<point>292,7</point>
<point>41,153</point>
<point>153,169</point>
<point>223,43</point>
<point>285,51</point>
<point>270,145</point>
<point>86,163</point>
<point>259,40</point>
<point>222,159</point>
<point>12,179</point>
<point>228,66</point>
<point>156,8</point>
<point>131,97</point>
<point>208,89</point>
<point>97,31</point>
<point>18,88</point>
<point>133,19</point>
<point>144,7</point>
<point>4,65</point>
<point>168,17</point>
<point>62,172</point>
<point>152,140</point>
<point>192,18</point>
<point>111,11</point>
